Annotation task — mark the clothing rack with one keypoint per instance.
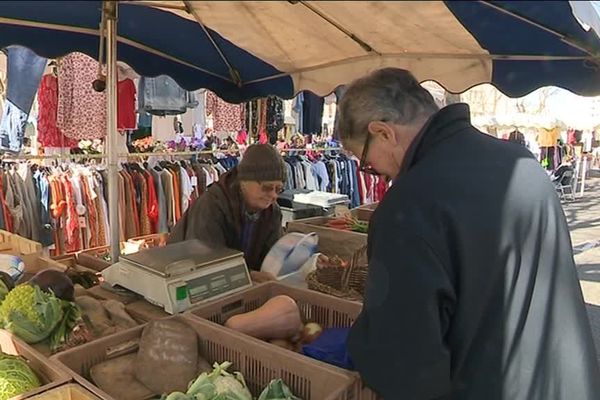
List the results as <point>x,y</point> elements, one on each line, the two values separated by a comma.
<point>303,150</point>
<point>148,154</point>
<point>100,156</point>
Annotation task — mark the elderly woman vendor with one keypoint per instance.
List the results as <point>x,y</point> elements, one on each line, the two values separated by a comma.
<point>240,211</point>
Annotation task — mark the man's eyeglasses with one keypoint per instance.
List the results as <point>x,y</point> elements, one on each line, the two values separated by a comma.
<point>364,166</point>
<point>268,188</point>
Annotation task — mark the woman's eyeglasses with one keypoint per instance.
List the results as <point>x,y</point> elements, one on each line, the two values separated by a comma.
<point>268,188</point>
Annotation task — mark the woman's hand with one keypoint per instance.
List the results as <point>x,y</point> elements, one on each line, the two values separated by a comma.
<point>260,276</point>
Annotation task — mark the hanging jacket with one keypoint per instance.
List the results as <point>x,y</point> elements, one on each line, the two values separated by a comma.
<point>472,290</point>
<point>218,219</point>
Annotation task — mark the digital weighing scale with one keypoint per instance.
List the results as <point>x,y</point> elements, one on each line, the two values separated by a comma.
<point>180,275</point>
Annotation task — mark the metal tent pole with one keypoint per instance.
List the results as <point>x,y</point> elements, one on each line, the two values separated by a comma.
<point>110,9</point>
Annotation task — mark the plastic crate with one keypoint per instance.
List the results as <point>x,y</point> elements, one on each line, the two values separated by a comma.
<point>365,212</point>
<point>332,242</point>
<point>259,363</point>
<point>325,310</point>
<point>49,372</point>
<point>71,391</point>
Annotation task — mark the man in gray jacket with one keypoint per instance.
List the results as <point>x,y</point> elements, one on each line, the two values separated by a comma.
<point>472,290</point>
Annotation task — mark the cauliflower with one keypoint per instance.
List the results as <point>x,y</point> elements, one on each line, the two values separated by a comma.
<point>218,385</point>
<point>30,313</point>
<point>16,377</point>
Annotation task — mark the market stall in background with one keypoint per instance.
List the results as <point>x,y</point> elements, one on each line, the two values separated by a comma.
<point>103,158</point>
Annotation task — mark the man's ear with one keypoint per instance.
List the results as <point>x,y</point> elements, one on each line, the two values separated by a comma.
<point>382,130</point>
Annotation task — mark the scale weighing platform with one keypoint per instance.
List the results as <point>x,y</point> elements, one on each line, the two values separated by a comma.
<point>180,275</point>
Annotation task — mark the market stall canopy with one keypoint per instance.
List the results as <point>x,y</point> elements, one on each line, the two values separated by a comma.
<point>247,49</point>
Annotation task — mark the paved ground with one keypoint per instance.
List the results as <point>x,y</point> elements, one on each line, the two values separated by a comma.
<point>583,216</point>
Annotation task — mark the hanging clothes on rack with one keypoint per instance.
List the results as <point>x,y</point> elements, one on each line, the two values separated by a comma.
<point>49,135</point>
<point>162,96</point>
<point>66,207</point>
<point>126,94</point>
<point>297,111</point>
<point>334,173</point>
<point>23,74</point>
<point>274,117</point>
<point>227,118</point>
<point>312,113</point>
<point>251,118</point>
<point>81,110</point>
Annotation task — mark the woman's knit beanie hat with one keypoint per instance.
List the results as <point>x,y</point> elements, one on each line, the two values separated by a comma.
<point>261,162</point>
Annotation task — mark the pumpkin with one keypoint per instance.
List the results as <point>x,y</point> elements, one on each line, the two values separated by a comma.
<point>278,318</point>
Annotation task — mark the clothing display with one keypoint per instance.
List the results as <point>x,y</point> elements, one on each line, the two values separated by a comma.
<point>548,137</point>
<point>126,105</point>
<point>23,74</point>
<point>297,111</point>
<point>199,115</point>
<point>68,207</point>
<point>256,117</point>
<point>12,127</point>
<point>227,118</point>
<point>24,71</point>
<point>312,113</point>
<point>335,174</point>
<point>48,133</point>
<point>81,110</point>
<point>517,137</point>
<point>162,96</point>
<point>242,137</point>
<point>551,157</point>
<point>274,117</point>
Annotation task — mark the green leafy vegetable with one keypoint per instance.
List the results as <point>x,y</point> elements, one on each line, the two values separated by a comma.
<point>3,290</point>
<point>277,390</point>
<point>218,385</point>
<point>16,377</point>
<point>71,317</point>
<point>34,315</point>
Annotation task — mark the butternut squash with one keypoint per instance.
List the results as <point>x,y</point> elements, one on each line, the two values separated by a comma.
<point>278,318</point>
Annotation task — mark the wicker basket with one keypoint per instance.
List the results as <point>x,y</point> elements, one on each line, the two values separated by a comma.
<point>348,283</point>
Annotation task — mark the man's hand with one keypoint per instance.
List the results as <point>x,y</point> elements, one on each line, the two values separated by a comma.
<point>260,277</point>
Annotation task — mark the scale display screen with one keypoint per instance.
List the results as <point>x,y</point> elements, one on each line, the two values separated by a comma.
<point>217,283</point>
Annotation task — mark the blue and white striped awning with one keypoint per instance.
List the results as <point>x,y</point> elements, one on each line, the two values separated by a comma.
<point>247,49</point>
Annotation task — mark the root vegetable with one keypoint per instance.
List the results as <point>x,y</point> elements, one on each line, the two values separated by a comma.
<point>278,318</point>
<point>93,310</point>
<point>168,356</point>
<point>116,377</point>
<point>311,332</point>
<point>118,315</point>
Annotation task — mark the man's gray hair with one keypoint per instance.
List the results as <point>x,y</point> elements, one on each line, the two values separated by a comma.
<point>390,95</point>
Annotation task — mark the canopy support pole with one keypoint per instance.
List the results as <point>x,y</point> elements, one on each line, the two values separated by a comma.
<point>110,10</point>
